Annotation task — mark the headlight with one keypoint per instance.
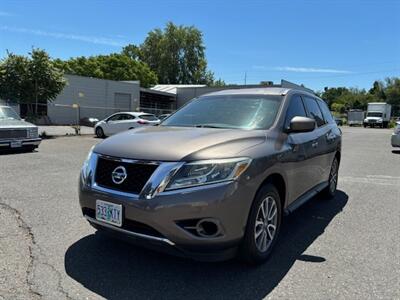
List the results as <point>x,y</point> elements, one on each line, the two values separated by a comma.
<point>33,132</point>
<point>379,121</point>
<point>86,167</point>
<point>208,171</point>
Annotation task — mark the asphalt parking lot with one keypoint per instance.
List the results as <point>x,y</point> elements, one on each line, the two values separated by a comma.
<point>345,248</point>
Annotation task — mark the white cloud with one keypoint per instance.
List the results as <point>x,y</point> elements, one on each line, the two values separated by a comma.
<point>311,70</point>
<point>66,36</point>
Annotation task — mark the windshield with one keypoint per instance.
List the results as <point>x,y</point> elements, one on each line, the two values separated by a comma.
<point>148,117</point>
<point>374,114</point>
<point>231,111</point>
<point>8,113</point>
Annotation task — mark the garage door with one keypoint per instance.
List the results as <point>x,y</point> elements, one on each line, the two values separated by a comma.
<point>122,101</point>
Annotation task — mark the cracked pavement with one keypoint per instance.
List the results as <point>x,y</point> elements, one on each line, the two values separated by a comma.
<point>348,248</point>
<point>37,197</point>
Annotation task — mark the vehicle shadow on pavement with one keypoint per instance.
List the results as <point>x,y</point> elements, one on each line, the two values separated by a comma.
<point>16,151</point>
<point>117,270</point>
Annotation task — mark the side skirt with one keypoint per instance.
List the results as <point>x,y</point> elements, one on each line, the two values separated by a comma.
<point>305,197</point>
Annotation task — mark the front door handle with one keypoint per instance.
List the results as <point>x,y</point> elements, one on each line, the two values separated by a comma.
<point>314,144</point>
<point>330,137</point>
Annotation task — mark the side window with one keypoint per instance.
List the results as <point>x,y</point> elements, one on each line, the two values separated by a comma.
<point>114,117</point>
<point>129,117</point>
<point>314,111</point>
<point>125,117</point>
<point>325,112</point>
<point>295,109</point>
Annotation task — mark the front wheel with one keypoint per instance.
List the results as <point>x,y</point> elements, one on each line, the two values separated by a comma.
<point>330,190</point>
<point>100,132</point>
<point>263,225</point>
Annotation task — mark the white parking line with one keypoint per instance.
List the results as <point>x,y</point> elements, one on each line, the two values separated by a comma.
<point>372,179</point>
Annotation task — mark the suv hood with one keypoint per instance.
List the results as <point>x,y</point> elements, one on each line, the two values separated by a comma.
<point>162,143</point>
<point>13,123</point>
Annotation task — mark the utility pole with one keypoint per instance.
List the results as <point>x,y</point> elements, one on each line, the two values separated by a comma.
<point>245,78</point>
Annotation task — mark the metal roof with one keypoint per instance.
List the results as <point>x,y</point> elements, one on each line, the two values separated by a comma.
<point>172,88</point>
<point>158,92</point>
<point>251,91</point>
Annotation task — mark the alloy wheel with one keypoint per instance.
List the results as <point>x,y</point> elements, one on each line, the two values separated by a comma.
<point>266,224</point>
<point>333,177</point>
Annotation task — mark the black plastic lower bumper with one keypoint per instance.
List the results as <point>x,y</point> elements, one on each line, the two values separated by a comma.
<point>164,245</point>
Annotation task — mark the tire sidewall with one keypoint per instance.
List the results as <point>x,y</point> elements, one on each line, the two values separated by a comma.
<point>329,192</point>
<point>249,250</point>
<point>99,132</point>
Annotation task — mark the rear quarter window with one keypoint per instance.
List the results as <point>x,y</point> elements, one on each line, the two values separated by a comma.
<point>148,117</point>
<point>314,111</point>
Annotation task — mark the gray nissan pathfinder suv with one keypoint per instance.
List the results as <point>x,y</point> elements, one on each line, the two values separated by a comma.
<point>214,179</point>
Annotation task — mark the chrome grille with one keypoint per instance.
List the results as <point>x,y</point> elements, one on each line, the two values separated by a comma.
<point>13,133</point>
<point>137,174</point>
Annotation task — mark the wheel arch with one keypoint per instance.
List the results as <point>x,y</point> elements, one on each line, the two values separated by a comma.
<point>338,155</point>
<point>279,182</point>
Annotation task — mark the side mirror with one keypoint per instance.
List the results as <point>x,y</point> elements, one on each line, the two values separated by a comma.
<point>302,124</point>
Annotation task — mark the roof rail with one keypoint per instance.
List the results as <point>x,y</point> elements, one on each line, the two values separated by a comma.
<point>291,85</point>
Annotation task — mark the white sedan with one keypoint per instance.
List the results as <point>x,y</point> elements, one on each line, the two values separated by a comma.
<point>122,121</point>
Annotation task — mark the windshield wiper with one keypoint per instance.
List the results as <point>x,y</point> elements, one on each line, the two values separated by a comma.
<point>207,126</point>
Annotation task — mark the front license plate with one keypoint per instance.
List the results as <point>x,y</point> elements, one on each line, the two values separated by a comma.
<point>109,213</point>
<point>16,144</point>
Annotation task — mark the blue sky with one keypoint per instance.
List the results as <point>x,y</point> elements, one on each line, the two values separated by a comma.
<point>318,43</point>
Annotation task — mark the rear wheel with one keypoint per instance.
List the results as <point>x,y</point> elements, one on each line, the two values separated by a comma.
<point>100,132</point>
<point>330,190</point>
<point>263,225</point>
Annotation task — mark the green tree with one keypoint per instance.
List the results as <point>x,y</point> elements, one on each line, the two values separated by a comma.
<point>392,92</point>
<point>177,55</point>
<point>378,90</point>
<point>330,95</point>
<point>31,80</point>
<point>115,66</point>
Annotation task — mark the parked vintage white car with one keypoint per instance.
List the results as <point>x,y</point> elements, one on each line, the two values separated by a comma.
<point>15,132</point>
<point>122,121</point>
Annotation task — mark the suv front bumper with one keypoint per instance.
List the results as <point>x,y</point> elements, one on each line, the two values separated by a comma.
<point>228,203</point>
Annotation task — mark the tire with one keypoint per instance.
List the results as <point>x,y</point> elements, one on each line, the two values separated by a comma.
<point>100,132</point>
<point>257,243</point>
<point>29,148</point>
<point>330,190</point>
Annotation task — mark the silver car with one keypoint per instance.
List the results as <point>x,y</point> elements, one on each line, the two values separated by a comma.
<point>15,133</point>
<point>396,135</point>
<point>215,179</point>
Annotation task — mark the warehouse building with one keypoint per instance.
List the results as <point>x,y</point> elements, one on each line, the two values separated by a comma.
<point>91,97</point>
<point>86,97</point>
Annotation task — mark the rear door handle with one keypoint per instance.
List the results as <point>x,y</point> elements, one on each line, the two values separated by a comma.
<point>314,144</point>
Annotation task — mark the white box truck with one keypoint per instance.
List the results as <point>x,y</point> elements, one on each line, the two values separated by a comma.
<point>355,117</point>
<point>378,114</point>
